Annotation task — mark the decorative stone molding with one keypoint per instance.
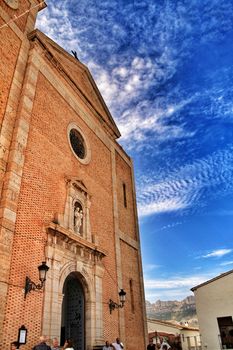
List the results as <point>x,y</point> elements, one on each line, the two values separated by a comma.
<point>77,198</point>
<point>63,238</point>
<point>71,250</point>
<point>66,253</point>
<point>86,145</point>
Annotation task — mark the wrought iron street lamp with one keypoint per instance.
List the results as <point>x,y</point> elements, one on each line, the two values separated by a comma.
<point>30,285</point>
<point>113,305</point>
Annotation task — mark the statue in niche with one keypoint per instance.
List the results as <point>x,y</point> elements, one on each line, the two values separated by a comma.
<point>78,217</point>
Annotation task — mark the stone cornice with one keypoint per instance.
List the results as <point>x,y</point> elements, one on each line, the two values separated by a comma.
<point>65,236</point>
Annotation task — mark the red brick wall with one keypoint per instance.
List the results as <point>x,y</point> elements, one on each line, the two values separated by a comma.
<point>126,214</point>
<point>48,159</point>
<point>134,330</point>
<point>24,5</point>
<point>10,45</point>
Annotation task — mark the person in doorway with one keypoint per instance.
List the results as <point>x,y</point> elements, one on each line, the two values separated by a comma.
<point>118,345</point>
<point>151,345</point>
<point>68,344</point>
<point>42,344</point>
<point>107,346</point>
<point>55,345</point>
<point>14,345</point>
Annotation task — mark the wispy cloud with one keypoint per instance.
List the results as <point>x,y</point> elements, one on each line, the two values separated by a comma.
<point>184,187</point>
<point>160,207</point>
<point>129,76</point>
<point>150,267</point>
<point>179,287</point>
<point>172,294</point>
<point>226,263</point>
<point>122,83</point>
<point>221,212</point>
<point>173,283</point>
<point>176,286</point>
<point>170,226</point>
<point>125,89</point>
<point>218,253</point>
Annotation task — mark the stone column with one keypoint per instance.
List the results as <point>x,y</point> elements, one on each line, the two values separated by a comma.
<point>99,336</point>
<point>53,299</point>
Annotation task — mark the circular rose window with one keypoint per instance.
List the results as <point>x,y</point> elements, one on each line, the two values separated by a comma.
<point>78,143</point>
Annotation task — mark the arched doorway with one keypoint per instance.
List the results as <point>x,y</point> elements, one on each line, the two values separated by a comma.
<point>73,312</point>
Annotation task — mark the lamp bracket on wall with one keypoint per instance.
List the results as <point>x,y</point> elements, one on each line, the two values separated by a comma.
<point>30,285</point>
<point>113,305</point>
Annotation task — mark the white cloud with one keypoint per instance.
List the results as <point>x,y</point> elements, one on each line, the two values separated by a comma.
<point>160,207</point>
<point>175,287</point>
<point>122,83</point>
<point>167,295</point>
<point>217,253</point>
<point>183,187</point>
<point>178,282</point>
<point>150,267</point>
<point>123,89</point>
<point>226,263</point>
<point>172,288</point>
<point>169,226</point>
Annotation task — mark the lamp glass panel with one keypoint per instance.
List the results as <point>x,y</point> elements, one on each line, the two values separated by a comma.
<point>42,275</point>
<point>122,295</point>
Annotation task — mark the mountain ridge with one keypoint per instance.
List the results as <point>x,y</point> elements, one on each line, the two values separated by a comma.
<point>183,311</point>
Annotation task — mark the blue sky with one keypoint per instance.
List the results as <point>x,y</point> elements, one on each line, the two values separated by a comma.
<point>164,68</point>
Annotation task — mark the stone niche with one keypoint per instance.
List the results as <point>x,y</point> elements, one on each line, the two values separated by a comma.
<point>76,217</point>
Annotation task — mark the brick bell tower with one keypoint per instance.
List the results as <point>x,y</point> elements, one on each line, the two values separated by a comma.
<point>17,19</point>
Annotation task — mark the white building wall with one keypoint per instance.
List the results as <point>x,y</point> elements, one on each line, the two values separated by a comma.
<point>190,338</point>
<point>213,300</point>
<point>154,326</point>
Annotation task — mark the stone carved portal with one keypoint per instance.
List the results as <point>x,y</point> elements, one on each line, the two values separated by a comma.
<point>72,324</point>
<point>73,300</point>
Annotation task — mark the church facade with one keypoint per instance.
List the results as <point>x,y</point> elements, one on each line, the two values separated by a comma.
<point>67,198</point>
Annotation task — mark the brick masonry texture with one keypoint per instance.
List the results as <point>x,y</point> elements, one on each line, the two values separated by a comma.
<point>39,98</point>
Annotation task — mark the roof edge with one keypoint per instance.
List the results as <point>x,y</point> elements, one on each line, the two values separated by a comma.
<point>37,34</point>
<point>171,324</point>
<point>42,5</point>
<point>211,280</point>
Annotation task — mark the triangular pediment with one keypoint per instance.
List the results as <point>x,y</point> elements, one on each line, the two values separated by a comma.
<point>80,75</point>
<point>77,183</point>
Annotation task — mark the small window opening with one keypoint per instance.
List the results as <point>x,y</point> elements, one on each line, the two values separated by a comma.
<point>131,295</point>
<point>225,326</point>
<point>124,195</point>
